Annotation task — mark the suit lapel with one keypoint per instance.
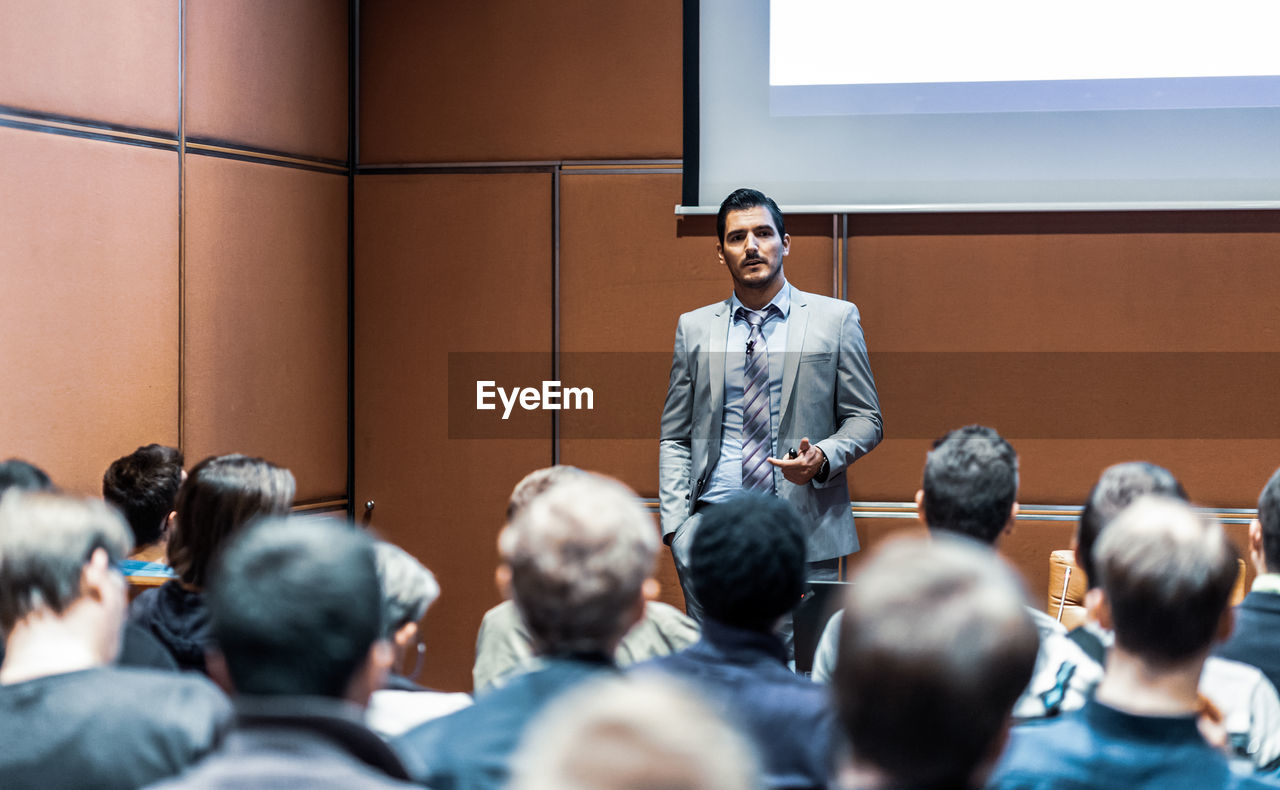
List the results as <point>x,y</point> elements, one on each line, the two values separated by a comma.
<point>715,368</point>
<point>796,323</point>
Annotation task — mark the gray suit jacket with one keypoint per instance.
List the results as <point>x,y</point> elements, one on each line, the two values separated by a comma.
<point>828,395</point>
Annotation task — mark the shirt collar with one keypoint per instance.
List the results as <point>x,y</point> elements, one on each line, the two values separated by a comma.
<point>780,304</point>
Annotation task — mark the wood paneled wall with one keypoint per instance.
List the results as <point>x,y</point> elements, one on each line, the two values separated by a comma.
<point>588,93</point>
<point>196,300</point>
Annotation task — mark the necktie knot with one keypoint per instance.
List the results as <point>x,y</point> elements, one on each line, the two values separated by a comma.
<point>755,319</point>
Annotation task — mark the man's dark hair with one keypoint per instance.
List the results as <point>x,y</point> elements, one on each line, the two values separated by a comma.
<point>1168,575</point>
<point>746,564</point>
<point>1119,485</point>
<point>936,646</point>
<point>970,483</point>
<point>16,473</point>
<point>144,485</point>
<point>1269,515</point>
<point>743,199</point>
<point>221,495</point>
<point>295,606</point>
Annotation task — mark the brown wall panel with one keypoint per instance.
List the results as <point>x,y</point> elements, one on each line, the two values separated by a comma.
<point>1140,282</point>
<point>628,269</point>
<point>270,75</point>
<point>115,62</point>
<point>266,318</point>
<point>519,80</point>
<point>89,327</point>
<point>445,263</point>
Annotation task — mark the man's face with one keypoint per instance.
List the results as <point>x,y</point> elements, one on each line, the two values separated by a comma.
<point>753,250</point>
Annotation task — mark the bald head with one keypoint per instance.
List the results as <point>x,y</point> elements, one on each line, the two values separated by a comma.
<point>1167,573</point>
<point>936,646</point>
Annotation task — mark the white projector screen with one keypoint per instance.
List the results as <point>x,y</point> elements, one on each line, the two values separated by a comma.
<point>909,105</point>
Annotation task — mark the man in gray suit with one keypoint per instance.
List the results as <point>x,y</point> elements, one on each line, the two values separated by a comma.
<point>770,391</point>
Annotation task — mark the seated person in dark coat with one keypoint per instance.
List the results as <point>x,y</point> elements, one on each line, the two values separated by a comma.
<point>1256,639</point>
<point>1166,576</point>
<point>67,718</point>
<point>747,564</point>
<point>296,608</point>
<point>577,561</point>
<point>221,495</point>
<point>936,645</point>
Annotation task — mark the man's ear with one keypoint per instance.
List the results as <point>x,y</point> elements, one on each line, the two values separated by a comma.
<point>1256,553</point>
<point>94,575</point>
<point>216,665</point>
<point>651,589</point>
<point>920,507</point>
<point>786,244</point>
<point>502,579</point>
<point>1013,517</point>
<point>1099,608</point>
<point>168,523</point>
<point>372,673</point>
<point>405,635</point>
<point>720,252</point>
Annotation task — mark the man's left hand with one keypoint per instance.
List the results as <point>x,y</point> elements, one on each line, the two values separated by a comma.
<point>801,469</point>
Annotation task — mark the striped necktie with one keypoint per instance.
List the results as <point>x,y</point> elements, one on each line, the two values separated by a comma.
<point>757,438</point>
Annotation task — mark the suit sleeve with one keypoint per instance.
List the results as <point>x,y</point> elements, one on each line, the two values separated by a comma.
<point>675,447</point>
<point>857,407</point>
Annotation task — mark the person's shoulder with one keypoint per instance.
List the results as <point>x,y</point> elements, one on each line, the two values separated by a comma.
<point>824,303</point>
<point>704,313</point>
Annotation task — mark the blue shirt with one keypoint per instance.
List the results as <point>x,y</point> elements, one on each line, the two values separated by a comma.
<point>1099,747</point>
<point>726,480</point>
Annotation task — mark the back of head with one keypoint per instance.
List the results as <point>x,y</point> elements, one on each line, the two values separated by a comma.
<point>295,606</point>
<point>45,541</point>
<point>144,485</point>
<point>640,732</point>
<point>1269,516</point>
<point>408,588</point>
<point>536,482</point>
<point>1119,485</point>
<point>16,473</point>
<point>579,555</point>
<point>747,561</point>
<point>936,645</point>
<point>221,495</point>
<point>743,200</point>
<point>970,483</point>
<point>1167,574</point>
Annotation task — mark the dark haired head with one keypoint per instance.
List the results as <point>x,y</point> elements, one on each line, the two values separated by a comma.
<point>1119,485</point>
<point>45,541</point>
<point>295,607</point>
<point>1269,516</point>
<point>744,199</point>
<point>970,483</point>
<point>1168,575</point>
<point>16,473</point>
<point>221,495</point>
<point>144,485</point>
<point>747,561</point>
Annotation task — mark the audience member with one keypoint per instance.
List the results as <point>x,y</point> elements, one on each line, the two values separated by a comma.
<point>747,566</point>
<point>576,561</point>
<point>222,494</point>
<point>935,648</point>
<point>1166,578</point>
<point>1244,702</point>
<point>1256,639</point>
<point>296,612</point>
<point>144,485</point>
<point>67,718</point>
<point>408,589</point>
<point>970,488</point>
<point>504,647</point>
<point>637,733</point>
<point>24,476</point>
